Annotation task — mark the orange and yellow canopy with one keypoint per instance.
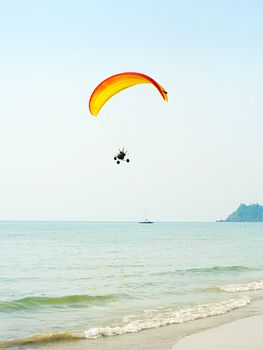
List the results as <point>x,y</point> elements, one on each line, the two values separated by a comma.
<point>116,83</point>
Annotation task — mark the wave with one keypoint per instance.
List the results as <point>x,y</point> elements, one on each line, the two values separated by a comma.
<point>157,318</point>
<point>29,303</point>
<point>41,339</point>
<point>242,287</point>
<point>212,269</point>
<point>234,268</point>
<point>150,319</point>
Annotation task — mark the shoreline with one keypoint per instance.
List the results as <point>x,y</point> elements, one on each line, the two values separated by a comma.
<point>183,336</point>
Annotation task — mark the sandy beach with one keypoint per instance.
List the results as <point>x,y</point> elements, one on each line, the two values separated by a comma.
<point>245,334</point>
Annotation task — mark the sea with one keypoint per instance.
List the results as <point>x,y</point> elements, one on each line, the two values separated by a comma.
<point>64,282</point>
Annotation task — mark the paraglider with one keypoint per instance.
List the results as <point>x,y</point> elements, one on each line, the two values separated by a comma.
<point>122,155</point>
<point>112,86</point>
<point>116,83</point>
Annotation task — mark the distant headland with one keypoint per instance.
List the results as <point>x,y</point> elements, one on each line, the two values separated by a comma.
<point>246,213</point>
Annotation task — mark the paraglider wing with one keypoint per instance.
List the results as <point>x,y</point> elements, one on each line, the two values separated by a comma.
<point>116,83</point>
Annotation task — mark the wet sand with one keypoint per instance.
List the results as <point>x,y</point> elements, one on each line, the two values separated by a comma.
<point>245,334</point>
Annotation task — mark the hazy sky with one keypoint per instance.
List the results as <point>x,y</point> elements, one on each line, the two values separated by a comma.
<point>194,158</point>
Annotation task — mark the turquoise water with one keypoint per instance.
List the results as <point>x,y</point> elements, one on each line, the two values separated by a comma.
<point>86,280</point>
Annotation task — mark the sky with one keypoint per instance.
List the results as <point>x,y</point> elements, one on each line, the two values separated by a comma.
<point>195,158</point>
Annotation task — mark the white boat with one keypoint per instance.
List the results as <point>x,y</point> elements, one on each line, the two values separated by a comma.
<point>146,221</point>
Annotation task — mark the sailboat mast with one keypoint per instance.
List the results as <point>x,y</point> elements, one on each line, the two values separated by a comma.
<point>146,221</point>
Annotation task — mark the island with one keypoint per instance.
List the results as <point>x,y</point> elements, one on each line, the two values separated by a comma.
<point>246,213</point>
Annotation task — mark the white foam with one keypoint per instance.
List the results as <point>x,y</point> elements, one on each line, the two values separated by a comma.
<point>242,287</point>
<point>160,318</point>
